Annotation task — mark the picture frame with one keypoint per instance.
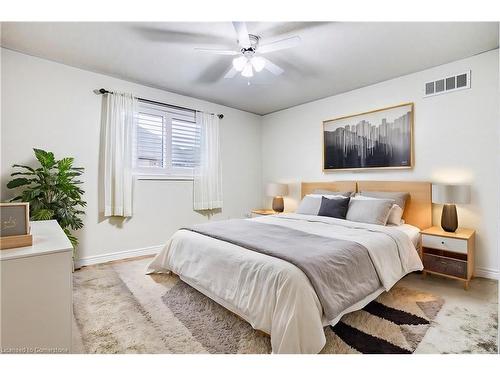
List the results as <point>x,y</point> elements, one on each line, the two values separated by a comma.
<point>377,139</point>
<point>15,219</point>
<point>15,228</point>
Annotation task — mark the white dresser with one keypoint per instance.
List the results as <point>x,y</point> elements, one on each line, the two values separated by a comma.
<point>36,293</point>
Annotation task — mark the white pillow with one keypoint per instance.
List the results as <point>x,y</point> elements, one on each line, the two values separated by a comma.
<point>371,211</point>
<point>395,214</point>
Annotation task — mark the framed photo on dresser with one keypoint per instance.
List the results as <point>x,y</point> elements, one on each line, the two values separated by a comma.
<point>14,219</point>
<point>377,139</point>
<point>15,225</point>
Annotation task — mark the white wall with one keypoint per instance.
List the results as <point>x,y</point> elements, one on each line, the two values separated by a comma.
<point>52,106</point>
<point>456,141</point>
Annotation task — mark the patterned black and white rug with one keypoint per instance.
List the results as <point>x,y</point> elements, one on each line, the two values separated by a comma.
<point>118,309</point>
<point>395,323</point>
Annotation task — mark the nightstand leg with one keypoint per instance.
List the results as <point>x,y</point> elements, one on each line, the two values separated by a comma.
<point>424,274</point>
<point>466,284</point>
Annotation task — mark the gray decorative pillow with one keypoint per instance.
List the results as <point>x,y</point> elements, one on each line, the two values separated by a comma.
<point>309,206</point>
<point>400,198</point>
<point>330,192</point>
<point>369,211</point>
<point>336,208</point>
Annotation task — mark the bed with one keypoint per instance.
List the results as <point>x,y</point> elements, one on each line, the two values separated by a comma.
<point>284,300</point>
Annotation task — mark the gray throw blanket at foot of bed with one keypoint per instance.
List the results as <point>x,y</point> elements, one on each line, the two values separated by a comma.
<point>341,272</point>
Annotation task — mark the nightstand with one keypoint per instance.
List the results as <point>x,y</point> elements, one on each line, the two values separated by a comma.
<point>262,212</point>
<point>449,254</point>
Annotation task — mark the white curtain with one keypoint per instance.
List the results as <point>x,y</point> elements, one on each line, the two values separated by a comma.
<point>207,186</point>
<point>118,153</point>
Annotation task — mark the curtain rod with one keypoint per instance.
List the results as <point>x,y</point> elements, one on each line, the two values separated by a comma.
<point>104,91</point>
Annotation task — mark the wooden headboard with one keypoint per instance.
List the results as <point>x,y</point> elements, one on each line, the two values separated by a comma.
<point>309,187</point>
<point>418,209</point>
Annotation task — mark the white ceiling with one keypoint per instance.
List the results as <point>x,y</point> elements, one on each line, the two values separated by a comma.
<point>332,57</point>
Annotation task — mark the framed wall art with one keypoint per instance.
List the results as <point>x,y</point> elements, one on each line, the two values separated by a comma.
<point>382,138</point>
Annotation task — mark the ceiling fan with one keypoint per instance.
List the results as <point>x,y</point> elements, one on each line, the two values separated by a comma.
<point>250,51</point>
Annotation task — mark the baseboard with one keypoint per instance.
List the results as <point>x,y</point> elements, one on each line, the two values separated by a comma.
<point>488,273</point>
<point>96,259</point>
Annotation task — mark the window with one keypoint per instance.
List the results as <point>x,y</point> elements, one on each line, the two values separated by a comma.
<point>167,142</point>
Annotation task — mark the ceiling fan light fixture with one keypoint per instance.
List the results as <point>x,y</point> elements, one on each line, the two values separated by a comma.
<point>239,63</point>
<point>248,60</point>
<point>247,71</point>
<point>258,63</point>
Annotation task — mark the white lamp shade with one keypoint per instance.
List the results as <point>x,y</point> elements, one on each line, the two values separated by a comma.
<point>276,190</point>
<point>450,194</point>
<point>247,70</point>
<point>258,63</point>
<point>239,63</point>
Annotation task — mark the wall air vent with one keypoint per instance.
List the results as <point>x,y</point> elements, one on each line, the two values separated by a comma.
<point>448,84</point>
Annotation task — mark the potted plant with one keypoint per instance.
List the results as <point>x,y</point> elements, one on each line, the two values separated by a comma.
<point>52,190</point>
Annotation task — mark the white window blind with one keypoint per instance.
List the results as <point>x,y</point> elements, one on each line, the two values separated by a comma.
<point>151,145</point>
<point>167,141</point>
<point>185,142</point>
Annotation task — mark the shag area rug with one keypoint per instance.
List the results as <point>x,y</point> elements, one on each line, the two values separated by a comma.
<point>119,309</point>
<point>395,322</point>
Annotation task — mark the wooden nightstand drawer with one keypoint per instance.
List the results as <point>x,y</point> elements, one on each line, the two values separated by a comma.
<point>445,243</point>
<point>448,254</point>
<point>445,265</point>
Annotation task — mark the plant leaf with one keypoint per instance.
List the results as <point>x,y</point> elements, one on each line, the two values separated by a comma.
<point>73,239</point>
<point>43,214</point>
<point>65,164</point>
<point>45,158</point>
<point>23,166</point>
<point>22,174</point>
<point>18,182</point>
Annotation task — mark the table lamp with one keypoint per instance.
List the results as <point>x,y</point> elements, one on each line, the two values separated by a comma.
<point>277,191</point>
<point>449,195</point>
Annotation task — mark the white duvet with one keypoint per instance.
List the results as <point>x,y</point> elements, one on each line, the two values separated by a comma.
<point>273,295</point>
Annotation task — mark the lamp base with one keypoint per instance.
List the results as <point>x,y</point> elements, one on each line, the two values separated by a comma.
<point>278,204</point>
<point>449,219</point>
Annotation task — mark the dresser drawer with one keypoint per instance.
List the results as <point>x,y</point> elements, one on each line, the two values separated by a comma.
<point>448,266</point>
<point>445,243</point>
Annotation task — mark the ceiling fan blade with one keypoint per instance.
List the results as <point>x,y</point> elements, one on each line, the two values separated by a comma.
<point>158,33</point>
<point>280,44</point>
<point>273,68</point>
<point>231,73</point>
<point>242,33</point>
<point>217,51</point>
